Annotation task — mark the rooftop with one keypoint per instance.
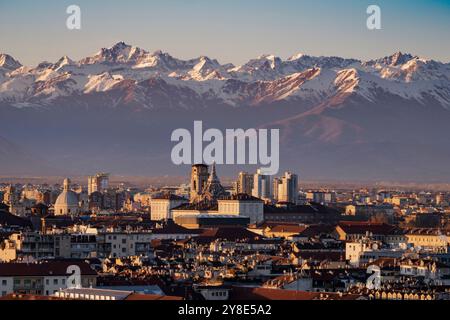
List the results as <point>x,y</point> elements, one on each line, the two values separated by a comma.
<point>47,268</point>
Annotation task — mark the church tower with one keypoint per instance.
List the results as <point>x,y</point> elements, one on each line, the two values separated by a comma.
<point>199,179</point>
<point>213,189</point>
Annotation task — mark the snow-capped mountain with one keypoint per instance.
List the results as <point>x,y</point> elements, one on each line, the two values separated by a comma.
<point>260,80</point>
<point>8,63</point>
<point>339,118</point>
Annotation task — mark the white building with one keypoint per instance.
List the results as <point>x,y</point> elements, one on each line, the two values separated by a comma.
<point>288,188</point>
<point>242,205</point>
<point>354,250</point>
<point>67,201</point>
<point>161,206</point>
<point>44,278</point>
<point>261,186</point>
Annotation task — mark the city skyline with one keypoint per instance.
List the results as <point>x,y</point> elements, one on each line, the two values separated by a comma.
<point>224,155</point>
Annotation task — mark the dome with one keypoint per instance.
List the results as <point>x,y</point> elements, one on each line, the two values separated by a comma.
<point>67,198</point>
<point>67,201</point>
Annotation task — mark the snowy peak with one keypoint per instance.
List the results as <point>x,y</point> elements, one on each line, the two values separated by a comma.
<point>264,79</point>
<point>118,53</point>
<point>408,68</point>
<point>396,59</point>
<point>8,62</point>
<point>62,62</point>
<point>265,62</point>
<point>300,61</point>
<point>295,56</point>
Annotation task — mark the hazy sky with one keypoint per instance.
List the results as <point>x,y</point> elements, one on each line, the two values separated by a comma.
<point>229,30</point>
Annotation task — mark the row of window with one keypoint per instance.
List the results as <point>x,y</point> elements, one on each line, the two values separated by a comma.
<point>27,282</point>
<point>219,294</point>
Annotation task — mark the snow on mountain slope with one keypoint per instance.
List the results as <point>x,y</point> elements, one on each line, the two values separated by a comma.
<point>9,63</point>
<point>262,80</point>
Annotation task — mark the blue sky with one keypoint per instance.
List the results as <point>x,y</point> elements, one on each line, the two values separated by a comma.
<point>229,30</point>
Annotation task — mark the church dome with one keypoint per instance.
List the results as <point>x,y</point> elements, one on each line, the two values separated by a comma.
<point>67,201</point>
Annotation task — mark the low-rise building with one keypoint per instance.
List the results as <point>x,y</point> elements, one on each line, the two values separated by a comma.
<point>43,278</point>
<point>162,205</point>
<point>428,238</point>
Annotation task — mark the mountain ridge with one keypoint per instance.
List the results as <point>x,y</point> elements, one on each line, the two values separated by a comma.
<point>402,74</point>
<point>339,118</point>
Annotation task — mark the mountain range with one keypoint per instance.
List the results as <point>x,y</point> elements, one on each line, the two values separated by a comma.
<point>339,118</point>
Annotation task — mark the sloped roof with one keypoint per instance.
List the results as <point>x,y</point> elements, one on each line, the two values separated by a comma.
<point>316,230</point>
<point>248,293</point>
<point>229,234</point>
<point>173,228</point>
<point>295,228</point>
<point>48,268</point>
<point>8,219</point>
<point>374,228</point>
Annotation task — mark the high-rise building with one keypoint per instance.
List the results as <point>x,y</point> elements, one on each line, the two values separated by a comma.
<point>288,188</point>
<point>98,183</point>
<point>261,186</point>
<point>244,184</point>
<point>11,196</point>
<point>275,188</point>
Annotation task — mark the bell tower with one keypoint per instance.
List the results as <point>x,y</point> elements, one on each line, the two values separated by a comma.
<point>199,179</point>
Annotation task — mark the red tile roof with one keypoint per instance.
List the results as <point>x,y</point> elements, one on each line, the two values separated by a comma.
<point>356,227</point>
<point>247,293</point>
<point>230,234</point>
<point>295,228</point>
<point>173,228</point>
<point>317,230</point>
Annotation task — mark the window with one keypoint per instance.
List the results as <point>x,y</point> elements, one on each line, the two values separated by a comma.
<point>3,293</point>
<point>3,282</point>
<point>55,281</point>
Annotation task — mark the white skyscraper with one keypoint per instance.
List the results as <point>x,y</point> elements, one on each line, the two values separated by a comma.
<point>261,186</point>
<point>288,188</point>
